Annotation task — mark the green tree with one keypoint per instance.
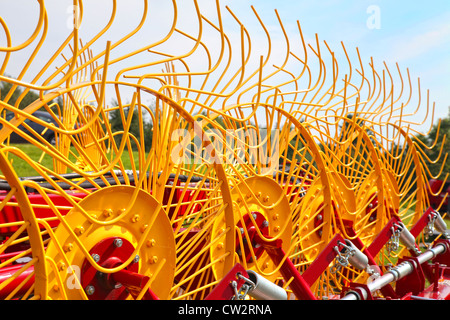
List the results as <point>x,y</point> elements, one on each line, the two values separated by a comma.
<point>436,134</point>
<point>116,122</point>
<point>29,98</point>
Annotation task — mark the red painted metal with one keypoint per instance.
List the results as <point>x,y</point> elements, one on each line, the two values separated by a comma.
<point>413,282</point>
<point>110,256</point>
<point>13,214</point>
<point>299,286</point>
<point>248,224</point>
<point>224,290</point>
<point>322,261</point>
<point>134,284</point>
<point>422,222</point>
<point>7,272</point>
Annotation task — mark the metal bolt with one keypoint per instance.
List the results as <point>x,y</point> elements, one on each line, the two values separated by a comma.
<point>90,290</point>
<point>136,259</point>
<point>107,212</point>
<point>118,242</point>
<point>96,257</point>
<point>61,266</point>
<point>68,247</point>
<point>151,243</point>
<point>265,224</point>
<point>79,230</point>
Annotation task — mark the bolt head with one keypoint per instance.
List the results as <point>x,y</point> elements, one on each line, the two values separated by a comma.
<point>90,290</point>
<point>118,242</point>
<point>96,257</point>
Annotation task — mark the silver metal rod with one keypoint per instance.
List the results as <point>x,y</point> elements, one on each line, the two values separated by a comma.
<point>398,272</point>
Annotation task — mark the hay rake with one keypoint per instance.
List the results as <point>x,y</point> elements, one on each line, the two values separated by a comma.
<point>220,180</point>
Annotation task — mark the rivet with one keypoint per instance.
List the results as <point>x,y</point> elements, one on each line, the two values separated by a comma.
<point>266,198</point>
<point>56,287</point>
<point>118,242</point>
<point>220,245</point>
<point>151,243</point>
<point>276,229</point>
<point>107,212</point>
<point>90,290</point>
<point>96,257</point>
<point>135,218</point>
<point>79,230</point>
<point>275,216</point>
<point>68,247</point>
<point>61,266</point>
<point>144,227</point>
<point>153,260</point>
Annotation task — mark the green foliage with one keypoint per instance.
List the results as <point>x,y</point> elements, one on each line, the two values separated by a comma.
<point>438,135</point>
<point>117,125</point>
<point>5,89</point>
<point>16,95</point>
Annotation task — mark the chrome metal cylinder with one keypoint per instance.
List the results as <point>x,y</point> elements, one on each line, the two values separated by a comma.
<point>357,259</point>
<point>407,239</point>
<point>431,253</point>
<point>398,272</point>
<point>265,289</point>
<point>440,225</point>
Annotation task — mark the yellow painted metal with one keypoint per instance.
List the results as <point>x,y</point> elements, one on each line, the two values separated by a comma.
<point>122,212</point>
<point>26,231</point>
<point>340,138</point>
<point>265,196</point>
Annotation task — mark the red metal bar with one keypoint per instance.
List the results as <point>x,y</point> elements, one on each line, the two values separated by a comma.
<point>421,223</point>
<point>224,290</point>
<point>8,272</point>
<point>288,270</point>
<point>374,248</point>
<point>383,237</point>
<point>135,283</point>
<point>322,261</point>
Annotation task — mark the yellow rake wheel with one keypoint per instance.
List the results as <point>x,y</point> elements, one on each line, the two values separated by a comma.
<point>157,171</point>
<point>356,175</point>
<point>351,154</point>
<point>280,185</point>
<point>112,229</point>
<point>22,247</point>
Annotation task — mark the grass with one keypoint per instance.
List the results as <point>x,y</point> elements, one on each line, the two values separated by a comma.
<point>24,169</point>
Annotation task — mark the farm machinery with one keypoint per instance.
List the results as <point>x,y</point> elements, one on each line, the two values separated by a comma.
<point>207,178</point>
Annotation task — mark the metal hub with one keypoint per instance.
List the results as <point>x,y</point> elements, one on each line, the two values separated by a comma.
<point>262,224</point>
<point>109,253</point>
<point>99,240</point>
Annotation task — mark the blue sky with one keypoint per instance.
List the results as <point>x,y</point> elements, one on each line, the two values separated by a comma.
<point>415,34</point>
